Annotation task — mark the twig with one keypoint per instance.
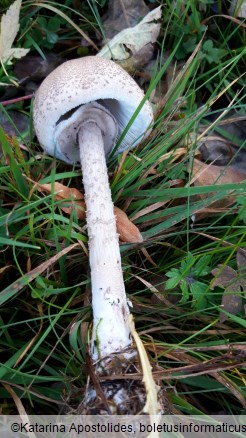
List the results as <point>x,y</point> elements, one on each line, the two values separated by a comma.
<point>17,99</point>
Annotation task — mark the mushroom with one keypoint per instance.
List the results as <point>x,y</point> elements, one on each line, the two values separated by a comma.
<point>80,110</point>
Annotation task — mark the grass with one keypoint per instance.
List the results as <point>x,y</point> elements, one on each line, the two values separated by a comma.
<point>45,311</point>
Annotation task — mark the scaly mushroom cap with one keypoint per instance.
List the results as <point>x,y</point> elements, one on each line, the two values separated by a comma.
<point>79,82</point>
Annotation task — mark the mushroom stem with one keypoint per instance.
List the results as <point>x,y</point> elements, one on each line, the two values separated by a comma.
<point>111,331</point>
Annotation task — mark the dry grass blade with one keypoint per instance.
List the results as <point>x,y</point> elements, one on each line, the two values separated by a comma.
<point>235,347</point>
<point>147,255</point>
<point>4,269</point>
<point>172,156</point>
<point>19,406</point>
<point>152,406</point>
<point>228,17</point>
<point>232,388</point>
<point>16,399</point>
<point>149,209</point>
<point>212,367</point>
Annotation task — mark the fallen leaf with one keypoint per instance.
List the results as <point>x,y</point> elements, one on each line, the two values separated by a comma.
<point>225,276</point>
<point>220,152</point>
<point>122,14</point>
<point>9,29</point>
<point>226,147</point>
<point>20,124</point>
<point>75,199</point>
<point>241,262</point>
<point>136,61</point>
<point>233,282</point>
<point>232,303</point>
<point>134,43</point>
<point>36,68</point>
<point>128,232</point>
<point>209,174</point>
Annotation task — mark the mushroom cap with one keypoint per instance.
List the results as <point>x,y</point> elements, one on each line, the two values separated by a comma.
<point>82,81</point>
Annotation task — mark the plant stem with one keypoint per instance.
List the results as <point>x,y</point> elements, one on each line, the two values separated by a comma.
<point>111,331</point>
<point>16,99</point>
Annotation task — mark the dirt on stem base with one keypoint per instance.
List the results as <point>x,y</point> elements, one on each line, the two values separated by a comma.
<point>116,388</point>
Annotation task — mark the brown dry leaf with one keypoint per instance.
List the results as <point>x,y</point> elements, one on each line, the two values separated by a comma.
<point>221,152</point>
<point>241,263</point>
<point>225,149</point>
<point>35,68</point>
<point>233,282</point>
<point>75,199</point>
<point>226,278</point>
<point>148,257</point>
<point>209,174</point>
<point>128,232</point>
<point>232,303</point>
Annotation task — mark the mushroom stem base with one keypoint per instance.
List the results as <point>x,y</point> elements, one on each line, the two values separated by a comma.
<point>111,332</point>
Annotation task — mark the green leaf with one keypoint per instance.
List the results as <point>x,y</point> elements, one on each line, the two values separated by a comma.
<point>202,268</point>
<point>241,200</point>
<point>187,263</point>
<point>189,45</point>
<point>52,37</point>
<point>172,282</point>
<point>173,273</point>
<point>208,46</point>
<point>198,291</point>
<point>185,292</point>
<point>75,340</point>
<point>54,24</point>
<point>212,53</point>
<point>6,241</point>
